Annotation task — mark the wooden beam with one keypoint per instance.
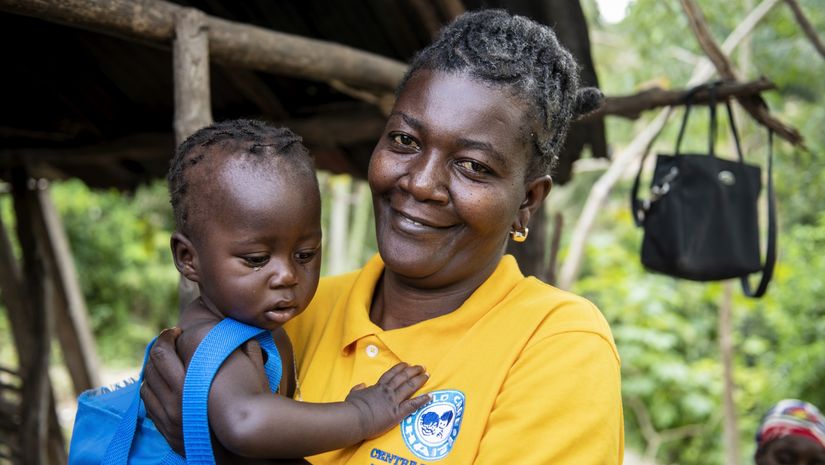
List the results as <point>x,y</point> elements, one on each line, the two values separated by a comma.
<point>190,54</point>
<point>73,329</point>
<point>230,42</point>
<point>193,107</point>
<point>630,106</point>
<point>13,295</point>
<point>351,124</point>
<point>256,91</point>
<point>753,104</point>
<point>34,431</point>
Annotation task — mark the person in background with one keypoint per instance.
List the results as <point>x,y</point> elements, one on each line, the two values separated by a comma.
<point>520,371</point>
<point>791,433</point>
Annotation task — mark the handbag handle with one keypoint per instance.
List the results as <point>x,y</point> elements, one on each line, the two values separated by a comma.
<point>223,339</point>
<point>712,89</point>
<point>770,252</point>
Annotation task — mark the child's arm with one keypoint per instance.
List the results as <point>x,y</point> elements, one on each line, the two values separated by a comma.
<point>250,421</point>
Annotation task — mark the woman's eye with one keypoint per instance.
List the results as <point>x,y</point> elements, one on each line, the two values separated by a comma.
<point>473,166</point>
<point>256,261</point>
<point>405,141</point>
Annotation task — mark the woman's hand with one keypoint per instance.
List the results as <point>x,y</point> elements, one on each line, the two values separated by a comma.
<point>163,387</point>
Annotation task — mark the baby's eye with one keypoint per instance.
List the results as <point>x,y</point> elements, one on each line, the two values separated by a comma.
<point>404,140</point>
<point>473,166</point>
<point>256,261</point>
<point>306,256</point>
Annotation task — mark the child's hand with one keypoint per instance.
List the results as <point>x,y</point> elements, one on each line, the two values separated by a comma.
<point>384,405</point>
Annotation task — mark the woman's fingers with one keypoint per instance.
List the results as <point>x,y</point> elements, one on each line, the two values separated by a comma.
<point>172,433</point>
<point>162,387</point>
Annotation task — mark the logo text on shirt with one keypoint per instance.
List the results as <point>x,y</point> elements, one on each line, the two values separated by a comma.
<point>430,432</point>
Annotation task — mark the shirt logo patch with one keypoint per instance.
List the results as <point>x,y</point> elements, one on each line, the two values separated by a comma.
<point>430,431</point>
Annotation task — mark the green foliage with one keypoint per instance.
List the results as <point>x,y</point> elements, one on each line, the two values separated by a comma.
<point>121,249</point>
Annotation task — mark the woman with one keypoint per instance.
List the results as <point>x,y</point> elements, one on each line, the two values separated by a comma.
<point>520,372</point>
<point>791,433</point>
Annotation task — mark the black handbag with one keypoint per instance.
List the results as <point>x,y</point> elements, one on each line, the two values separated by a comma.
<point>701,219</point>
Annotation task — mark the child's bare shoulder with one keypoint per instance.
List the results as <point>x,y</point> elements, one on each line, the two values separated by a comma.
<point>193,333</point>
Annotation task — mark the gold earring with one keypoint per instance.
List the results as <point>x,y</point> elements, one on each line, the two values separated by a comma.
<point>520,236</point>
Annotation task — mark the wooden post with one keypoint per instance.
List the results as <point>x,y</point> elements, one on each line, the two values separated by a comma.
<point>19,307</point>
<point>36,391</point>
<point>731,430</point>
<point>71,316</point>
<point>193,108</point>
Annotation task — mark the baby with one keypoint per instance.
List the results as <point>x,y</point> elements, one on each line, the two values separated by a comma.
<point>248,232</point>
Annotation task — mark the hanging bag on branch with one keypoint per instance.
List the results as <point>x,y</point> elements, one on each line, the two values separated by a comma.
<point>701,219</point>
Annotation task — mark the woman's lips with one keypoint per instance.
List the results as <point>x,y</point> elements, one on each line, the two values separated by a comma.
<point>414,225</point>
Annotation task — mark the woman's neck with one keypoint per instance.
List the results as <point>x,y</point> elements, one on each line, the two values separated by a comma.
<point>397,303</point>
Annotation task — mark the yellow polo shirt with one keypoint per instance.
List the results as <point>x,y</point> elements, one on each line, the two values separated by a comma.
<point>522,373</point>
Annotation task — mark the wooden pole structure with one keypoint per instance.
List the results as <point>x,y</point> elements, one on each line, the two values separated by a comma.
<point>730,428</point>
<point>36,390</point>
<point>230,43</point>
<point>73,329</point>
<point>40,436</point>
<point>193,107</point>
<point>190,53</point>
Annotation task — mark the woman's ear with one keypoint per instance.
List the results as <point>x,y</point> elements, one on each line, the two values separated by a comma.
<point>185,256</point>
<point>535,193</point>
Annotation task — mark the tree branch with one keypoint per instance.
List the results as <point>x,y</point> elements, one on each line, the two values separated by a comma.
<point>806,26</point>
<point>753,104</point>
<point>630,106</point>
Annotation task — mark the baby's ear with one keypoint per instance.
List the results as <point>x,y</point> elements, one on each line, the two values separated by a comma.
<point>185,256</point>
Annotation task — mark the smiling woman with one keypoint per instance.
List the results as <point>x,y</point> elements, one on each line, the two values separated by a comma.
<point>519,371</point>
<point>447,175</point>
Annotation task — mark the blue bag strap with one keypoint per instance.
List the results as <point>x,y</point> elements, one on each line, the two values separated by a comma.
<point>117,453</point>
<point>221,341</point>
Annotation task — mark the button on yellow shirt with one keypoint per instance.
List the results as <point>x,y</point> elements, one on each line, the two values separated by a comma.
<point>521,373</point>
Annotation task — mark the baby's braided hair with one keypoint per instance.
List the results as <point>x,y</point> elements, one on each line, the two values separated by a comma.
<point>255,140</point>
<point>523,56</point>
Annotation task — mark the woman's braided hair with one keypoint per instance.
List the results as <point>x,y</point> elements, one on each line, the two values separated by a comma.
<point>517,53</point>
<point>255,140</point>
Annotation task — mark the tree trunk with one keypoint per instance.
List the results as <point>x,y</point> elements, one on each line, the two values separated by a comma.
<point>731,430</point>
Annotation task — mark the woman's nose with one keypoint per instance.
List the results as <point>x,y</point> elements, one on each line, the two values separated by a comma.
<point>283,274</point>
<point>426,178</point>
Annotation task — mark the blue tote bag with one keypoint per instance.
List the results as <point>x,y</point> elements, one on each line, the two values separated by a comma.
<point>111,426</point>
